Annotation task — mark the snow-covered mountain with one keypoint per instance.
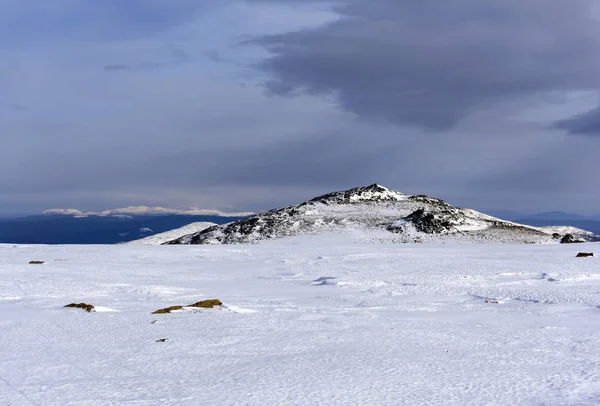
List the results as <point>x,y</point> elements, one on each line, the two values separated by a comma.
<point>161,238</point>
<point>144,211</point>
<point>403,218</point>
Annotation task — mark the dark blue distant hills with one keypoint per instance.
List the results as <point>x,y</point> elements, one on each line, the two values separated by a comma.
<point>552,218</point>
<point>73,227</point>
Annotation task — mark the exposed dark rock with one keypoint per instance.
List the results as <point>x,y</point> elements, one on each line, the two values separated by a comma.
<point>585,254</point>
<point>429,200</point>
<point>570,239</point>
<point>161,340</point>
<point>429,223</point>
<point>36,262</point>
<point>87,307</point>
<point>395,228</point>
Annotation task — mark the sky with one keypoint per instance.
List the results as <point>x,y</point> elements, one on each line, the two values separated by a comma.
<point>252,104</point>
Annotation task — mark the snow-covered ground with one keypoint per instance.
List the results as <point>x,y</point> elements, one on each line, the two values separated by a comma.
<point>321,320</point>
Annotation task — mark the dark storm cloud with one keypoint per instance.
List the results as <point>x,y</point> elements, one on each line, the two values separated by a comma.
<point>422,96</point>
<point>583,124</point>
<point>430,63</point>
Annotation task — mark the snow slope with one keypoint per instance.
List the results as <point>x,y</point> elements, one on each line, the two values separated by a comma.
<point>331,319</point>
<point>170,235</point>
<point>406,219</point>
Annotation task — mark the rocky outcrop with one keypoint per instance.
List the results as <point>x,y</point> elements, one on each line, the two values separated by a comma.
<point>204,304</point>
<point>571,239</point>
<point>429,223</point>
<point>87,307</point>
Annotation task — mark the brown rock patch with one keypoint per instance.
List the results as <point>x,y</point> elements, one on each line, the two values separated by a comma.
<point>87,307</point>
<point>206,304</point>
<point>167,310</point>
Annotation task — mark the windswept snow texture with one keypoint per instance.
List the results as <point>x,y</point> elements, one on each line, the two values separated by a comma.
<point>161,238</point>
<point>578,232</point>
<point>312,320</point>
<point>406,219</point>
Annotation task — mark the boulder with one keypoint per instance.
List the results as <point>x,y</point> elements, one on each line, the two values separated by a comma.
<point>207,304</point>
<point>167,310</point>
<point>429,223</point>
<point>87,307</point>
<point>570,239</point>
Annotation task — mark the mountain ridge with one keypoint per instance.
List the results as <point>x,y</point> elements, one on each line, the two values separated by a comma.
<point>407,218</point>
<point>144,211</point>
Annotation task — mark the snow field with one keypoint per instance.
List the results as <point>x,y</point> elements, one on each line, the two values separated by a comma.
<point>322,320</point>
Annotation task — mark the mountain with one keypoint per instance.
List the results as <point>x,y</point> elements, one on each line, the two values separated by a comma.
<point>145,211</point>
<point>556,216</point>
<point>161,238</point>
<point>590,225</point>
<point>553,219</point>
<point>376,209</point>
<point>73,228</point>
<point>508,215</point>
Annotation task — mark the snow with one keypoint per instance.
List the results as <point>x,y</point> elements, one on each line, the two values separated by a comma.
<point>333,319</point>
<point>66,212</point>
<point>382,193</point>
<point>408,219</point>
<point>565,230</point>
<point>145,210</point>
<point>161,238</point>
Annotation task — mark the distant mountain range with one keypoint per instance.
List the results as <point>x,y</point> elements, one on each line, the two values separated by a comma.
<point>145,211</point>
<point>381,213</point>
<point>70,226</point>
<point>552,218</point>
<point>374,207</point>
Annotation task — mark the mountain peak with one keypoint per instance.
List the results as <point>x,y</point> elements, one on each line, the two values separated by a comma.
<point>373,209</point>
<point>362,194</point>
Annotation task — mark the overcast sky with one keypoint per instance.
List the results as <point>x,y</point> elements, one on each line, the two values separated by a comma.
<point>251,104</point>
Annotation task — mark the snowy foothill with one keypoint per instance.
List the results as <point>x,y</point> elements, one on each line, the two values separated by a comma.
<point>329,319</point>
<point>170,235</point>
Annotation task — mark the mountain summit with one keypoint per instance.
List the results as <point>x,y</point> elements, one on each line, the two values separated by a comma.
<point>373,193</point>
<point>374,208</point>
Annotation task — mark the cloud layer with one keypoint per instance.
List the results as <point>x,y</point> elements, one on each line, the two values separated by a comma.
<point>430,64</point>
<point>246,105</point>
